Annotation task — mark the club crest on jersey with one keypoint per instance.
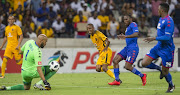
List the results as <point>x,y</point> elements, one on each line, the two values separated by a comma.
<point>12,29</point>
<point>96,39</point>
<point>163,21</point>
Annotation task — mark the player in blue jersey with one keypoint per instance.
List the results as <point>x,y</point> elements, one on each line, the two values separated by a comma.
<point>129,53</point>
<point>164,48</point>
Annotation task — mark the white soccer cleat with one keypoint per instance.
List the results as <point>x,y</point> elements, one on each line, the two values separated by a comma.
<point>38,86</point>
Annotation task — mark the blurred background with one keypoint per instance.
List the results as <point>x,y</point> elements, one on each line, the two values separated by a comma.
<point>68,18</point>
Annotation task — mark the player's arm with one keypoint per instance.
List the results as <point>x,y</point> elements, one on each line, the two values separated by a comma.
<point>4,42</point>
<point>135,34</point>
<point>37,58</point>
<point>166,37</point>
<point>107,43</point>
<point>19,32</point>
<point>105,39</point>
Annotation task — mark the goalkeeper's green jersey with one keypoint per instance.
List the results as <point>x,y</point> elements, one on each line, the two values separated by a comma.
<point>31,56</point>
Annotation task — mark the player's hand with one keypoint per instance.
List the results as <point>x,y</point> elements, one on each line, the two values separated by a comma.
<point>17,48</point>
<point>149,39</point>
<point>47,85</point>
<point>1,48</point>
<point>121,36</point>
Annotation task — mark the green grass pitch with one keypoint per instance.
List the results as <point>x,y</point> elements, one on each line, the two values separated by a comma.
<point>96,84</point>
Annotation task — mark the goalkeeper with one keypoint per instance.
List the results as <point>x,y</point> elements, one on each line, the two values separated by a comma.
<point>31,67</point>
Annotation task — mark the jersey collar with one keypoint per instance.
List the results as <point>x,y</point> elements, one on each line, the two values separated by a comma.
<point>165,17</point>
<point>36,44</point>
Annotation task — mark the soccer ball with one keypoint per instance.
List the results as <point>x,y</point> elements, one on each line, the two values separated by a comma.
<point>54,66</point>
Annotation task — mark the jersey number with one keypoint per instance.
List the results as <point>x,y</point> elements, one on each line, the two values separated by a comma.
<point>26,55</point>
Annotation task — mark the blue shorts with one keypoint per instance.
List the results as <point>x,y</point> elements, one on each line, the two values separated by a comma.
<point>129,54</point>
<point>166,55</point>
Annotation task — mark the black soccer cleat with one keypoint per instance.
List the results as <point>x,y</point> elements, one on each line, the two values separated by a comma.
<point>161,75</point>
<point>170,89</point>
<point>2,88</point>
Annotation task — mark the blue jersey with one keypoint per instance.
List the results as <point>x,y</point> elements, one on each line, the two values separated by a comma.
<point>132,28</point>
<point>165,30</point>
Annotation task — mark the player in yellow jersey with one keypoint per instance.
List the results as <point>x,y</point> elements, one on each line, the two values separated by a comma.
<point>13,33</point>
<point>102,44</point>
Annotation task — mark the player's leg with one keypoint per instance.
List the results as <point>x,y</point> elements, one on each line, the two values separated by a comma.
<point>17,57</point>
<point>3,67</point>
<point>26,80</point>
<point>168,78</point>
<point>48,74</point>
<point>147,63</point>
<point>130,59</point>
<point>167,62</point>
<point>116,60</point>
<point>7,55</point>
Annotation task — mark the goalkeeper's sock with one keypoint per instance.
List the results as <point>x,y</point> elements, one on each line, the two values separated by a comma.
<point>15,87</point>
<point>48,76</point>
<point>3,68</point>
<point>110,73</point>
<point>135,71</point>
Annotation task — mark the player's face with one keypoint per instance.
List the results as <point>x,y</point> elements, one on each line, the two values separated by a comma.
<point>43,43</point>
<point>11,20</point>
<point>126,20</point>
<point>90,29</point>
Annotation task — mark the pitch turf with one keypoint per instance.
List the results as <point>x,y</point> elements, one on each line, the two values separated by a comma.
<point>96,84</point>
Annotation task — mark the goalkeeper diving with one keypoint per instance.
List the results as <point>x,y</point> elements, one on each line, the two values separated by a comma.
<point>32,66</point>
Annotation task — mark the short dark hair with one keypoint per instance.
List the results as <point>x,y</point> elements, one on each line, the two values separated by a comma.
<point>90,24</point>
<point>129,15</point>
<point>165,7</point>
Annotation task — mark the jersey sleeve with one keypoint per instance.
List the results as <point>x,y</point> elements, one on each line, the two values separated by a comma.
<point>19,31</point>
<point>37,57</point>
<point>102,36</point>
<point>169,28</point>
<point>23,47</point>
<point>134,27</point>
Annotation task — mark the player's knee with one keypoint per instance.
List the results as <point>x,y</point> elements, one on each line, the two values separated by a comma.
<point>98,69</point>
<point>104,69</point>
<point>143,64</point>
<point>127,67</point>
<point>165,72</point>
<point>115,62</point>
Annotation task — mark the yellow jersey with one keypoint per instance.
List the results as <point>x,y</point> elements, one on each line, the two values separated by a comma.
<point>12,33</point>
<point>98,40</point>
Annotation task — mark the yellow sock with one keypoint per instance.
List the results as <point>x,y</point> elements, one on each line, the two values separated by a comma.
<point>110,67</point>
<point>20,62</point>
<point>3,66</point>
<point>110,73</point>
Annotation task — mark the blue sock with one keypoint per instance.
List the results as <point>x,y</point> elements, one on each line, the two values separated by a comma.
<point>135,71</point>
<point>116,73</point>
<point>153,66</point>
<point>169,79</point>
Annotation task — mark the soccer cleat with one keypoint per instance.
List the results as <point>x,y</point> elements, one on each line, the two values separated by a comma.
<point>115,82</point>
<point>144,79</point>
<point>161,75</point>
<point>1,77</point>
<point>2,88</point>
<point>38,86</point>
<point>170,89</point>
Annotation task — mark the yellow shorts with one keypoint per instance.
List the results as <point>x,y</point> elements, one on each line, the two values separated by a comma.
<point>9,52</point>
<point>104,57</point>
